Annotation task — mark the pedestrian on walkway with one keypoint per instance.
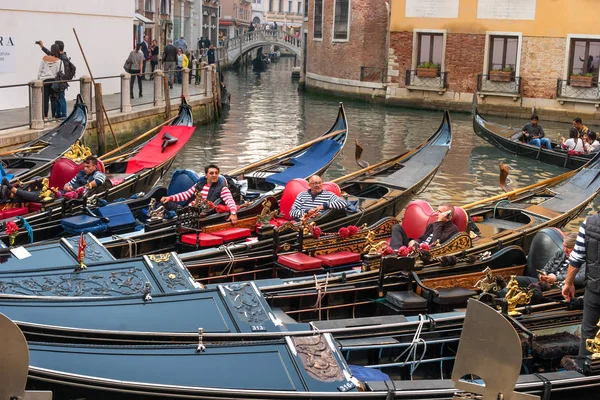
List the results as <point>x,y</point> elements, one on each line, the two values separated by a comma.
<point>170,61</point>
<point>181,44</point>
<point>50,66</point>
<point>135,63</point>
<point>211,55</point>
<point>182,62</point>
<point>69,69</point>
<point>154,50</point>
<point>146,53</point>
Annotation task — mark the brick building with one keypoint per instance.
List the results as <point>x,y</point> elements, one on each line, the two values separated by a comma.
<point>235,17</point>
<point>515,54</point>
<point>287,13</point>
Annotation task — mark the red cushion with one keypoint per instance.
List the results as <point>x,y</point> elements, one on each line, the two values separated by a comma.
<point>460,218</point>
<point>116,181</point>
<point>232,234</point>
<point>339,258</point>
<point>332,187</point>
<point>34,206</point>
<point>205,239</point>
<point>299,261</point>
<point>417,216</point>
<point>277,222</point>
<point>13,212</point>
<point>293,188</point>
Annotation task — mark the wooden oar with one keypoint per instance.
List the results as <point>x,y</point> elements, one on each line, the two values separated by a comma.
<point>502,178</point>
<point>358,150</point>
<point>94,82</point>
<point>283,154</point>
<point>111,159</point>
<point>24,149</point>
<point>518,191</point>
<point>143,135</point>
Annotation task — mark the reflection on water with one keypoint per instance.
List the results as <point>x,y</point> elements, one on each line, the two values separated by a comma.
<point>269,115</point>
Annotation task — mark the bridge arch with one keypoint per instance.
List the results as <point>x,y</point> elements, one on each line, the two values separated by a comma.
<point>240,45</point>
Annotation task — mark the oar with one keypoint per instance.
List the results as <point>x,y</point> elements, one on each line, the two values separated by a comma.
<point>94,82</point>
<point>111,159</point>
<point>143,135</point>
<point>548,181</point>
<point>6,153</point>
<point>358,150</point>
<point>502,178</point>
<point>285,153</point>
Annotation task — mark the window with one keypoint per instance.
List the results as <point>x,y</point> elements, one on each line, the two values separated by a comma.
<point>430,48</point>
<point>503,53</point>
<point>164,6</point>
<point>280,6</point>
<point>290,7</point>
<point>340,21</point>
<point>318,20</point>
<point>148,6</point>
<point>271,5</point>
<point>299,7</point>
<point>585,56</point>
<point>306,8</point>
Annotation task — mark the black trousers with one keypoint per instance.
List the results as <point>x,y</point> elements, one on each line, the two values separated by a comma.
<point>399,237</point>
<point>135,74</point>
<point>591,314</point>
<point>49,96</point>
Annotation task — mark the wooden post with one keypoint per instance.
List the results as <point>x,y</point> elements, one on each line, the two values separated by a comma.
<point>167,97</point>
<point>100,119</point>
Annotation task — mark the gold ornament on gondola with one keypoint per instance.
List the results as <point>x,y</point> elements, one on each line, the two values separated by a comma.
<point>593,345</point>
<point>371,247</point>
<point>488,282</point>
<point>78,152</point>
<point>516,297</point>
<point>155,214</point>
<point>266,215</point>
<point>46,192</point>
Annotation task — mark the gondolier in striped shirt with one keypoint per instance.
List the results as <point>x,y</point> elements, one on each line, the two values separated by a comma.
<point>214,190</point>
<point>586,250</point>
<point>315,200</point>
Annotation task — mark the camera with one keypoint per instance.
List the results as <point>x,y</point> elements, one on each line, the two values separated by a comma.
<point>37,42</point>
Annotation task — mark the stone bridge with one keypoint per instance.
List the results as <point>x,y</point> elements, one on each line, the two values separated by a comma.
<point>236,47</point>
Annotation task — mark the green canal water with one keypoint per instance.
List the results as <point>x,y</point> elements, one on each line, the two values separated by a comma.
<point>268,115</point>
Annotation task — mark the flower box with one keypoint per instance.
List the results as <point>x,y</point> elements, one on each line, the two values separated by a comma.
<point>427,72</point>
<point>582,81</point>
<point>501,76</point>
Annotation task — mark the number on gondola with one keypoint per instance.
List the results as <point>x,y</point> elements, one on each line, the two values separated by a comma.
<point>346,387</point>
<point>258,328</point>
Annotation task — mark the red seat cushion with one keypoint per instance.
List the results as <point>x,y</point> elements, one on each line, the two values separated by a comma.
<point>34,206</point>
<point>299,261</point>
<point>277,222</point>
<point>339,258</point>
<point>293,188</point>
<point>205,239</point>
<point>13,212</point>
<point>116,181</point>
<point>419,214</point>
<point>232,234</point>
<point>460,219</point>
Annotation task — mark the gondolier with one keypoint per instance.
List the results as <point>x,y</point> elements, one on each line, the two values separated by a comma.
<point>315,199</point>
<point>586,251</point>
<point>214,190</point>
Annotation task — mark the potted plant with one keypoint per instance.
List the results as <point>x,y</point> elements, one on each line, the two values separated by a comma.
<point>428,70</point>
<point>502,75</point>
<point>582,80</point>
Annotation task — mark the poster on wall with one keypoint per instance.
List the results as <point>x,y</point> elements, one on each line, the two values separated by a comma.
<point>431,9</point>
<point>506,9</point>
<point>8,60</point>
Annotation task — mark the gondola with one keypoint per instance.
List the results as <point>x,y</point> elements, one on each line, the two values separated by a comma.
<point>374,192</point>
<point>137,171</point>
<point>507,139</point>
<point>36,157</point>
<point>262,180</point>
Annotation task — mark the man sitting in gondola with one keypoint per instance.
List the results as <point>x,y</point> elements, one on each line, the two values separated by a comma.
<point>439,231</point>
<point>214,190</point>
<point>533,134</point>
<point>315,200</point>
<point>88,179</point>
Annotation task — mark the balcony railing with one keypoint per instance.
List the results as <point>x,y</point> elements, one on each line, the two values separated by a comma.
<point>437,80</point>
<point>567,89</point>
<point>373,74</point>
<point>501,85</point>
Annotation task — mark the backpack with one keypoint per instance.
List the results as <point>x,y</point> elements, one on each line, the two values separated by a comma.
<point>70,69</point>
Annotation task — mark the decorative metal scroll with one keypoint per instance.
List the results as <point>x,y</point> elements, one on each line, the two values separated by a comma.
<point>170,271</point>
<point>317,358</point>
<point>93,251</point>
<point>245,302</point>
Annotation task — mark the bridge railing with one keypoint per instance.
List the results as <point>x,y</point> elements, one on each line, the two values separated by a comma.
<point>268,35</point>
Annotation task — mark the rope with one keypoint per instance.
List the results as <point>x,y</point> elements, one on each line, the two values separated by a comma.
<point>27,227</point>
<point>497,204</point>
<point>411,350</point>
<point>132,244</point>
<point>321,292</point>
<point>227,249</point>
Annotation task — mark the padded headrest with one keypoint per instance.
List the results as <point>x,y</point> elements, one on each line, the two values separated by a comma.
<point>182,180</point>
<point>64,169</point>
<point>544,245</point>
<point>294,187</point>
<point>419,214</point>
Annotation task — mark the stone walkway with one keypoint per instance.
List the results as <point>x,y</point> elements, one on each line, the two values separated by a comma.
<point>18,117</point>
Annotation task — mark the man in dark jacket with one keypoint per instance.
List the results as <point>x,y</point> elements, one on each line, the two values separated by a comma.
<point>146,54</point>
<point>170,61</point>
<point>586,251</point>
<point>441,230</point>
<point>210,54</point>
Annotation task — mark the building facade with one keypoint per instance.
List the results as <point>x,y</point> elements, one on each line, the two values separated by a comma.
<point>258,12</point>
<point>513,54</point>
<point>288,14</point>
<point>235,17</point>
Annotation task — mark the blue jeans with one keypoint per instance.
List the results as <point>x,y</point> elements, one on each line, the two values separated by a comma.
<point>541,141</point>
<point>61,111</point>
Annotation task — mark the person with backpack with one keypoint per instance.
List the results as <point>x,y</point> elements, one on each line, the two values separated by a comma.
<point>50,67</point>
<point>68,74</point>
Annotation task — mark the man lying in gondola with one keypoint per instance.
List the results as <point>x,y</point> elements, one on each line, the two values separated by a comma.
<point>533,134</point>
<point>439,231</point>
<point>315,200</point>
<point>212,189</point>
<point>89,180</point>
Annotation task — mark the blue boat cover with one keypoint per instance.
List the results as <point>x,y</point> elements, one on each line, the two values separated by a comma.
<point>119,216</point>
<point>365,374</point>
<point>308,163</point>
<point>4,174</point>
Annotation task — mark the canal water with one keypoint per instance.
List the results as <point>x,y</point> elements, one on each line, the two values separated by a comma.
<point>268,115</point>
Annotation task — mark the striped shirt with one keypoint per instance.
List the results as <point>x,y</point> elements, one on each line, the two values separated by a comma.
<point>577,258</point>
<point>305,201</point>
<point>225,195</point>
<point>81,179</point>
